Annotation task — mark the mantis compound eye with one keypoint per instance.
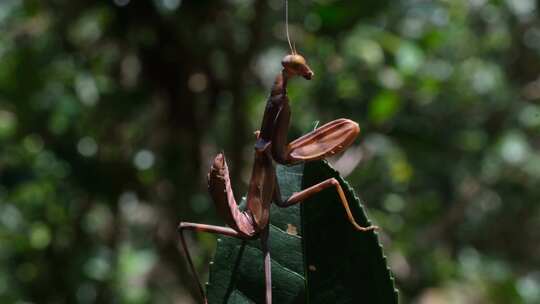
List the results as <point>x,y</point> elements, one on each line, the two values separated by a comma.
<point>295,64</point>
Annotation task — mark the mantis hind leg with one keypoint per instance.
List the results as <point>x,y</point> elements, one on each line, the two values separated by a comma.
<point>228,232</point>
<point>205,228</point>
<point>267,265</point>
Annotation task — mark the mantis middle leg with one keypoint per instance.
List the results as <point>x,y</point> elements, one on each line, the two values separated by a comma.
<point>299,197</point>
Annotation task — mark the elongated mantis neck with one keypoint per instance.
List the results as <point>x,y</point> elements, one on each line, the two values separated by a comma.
<point>285,77</point>
<point>280,84</point>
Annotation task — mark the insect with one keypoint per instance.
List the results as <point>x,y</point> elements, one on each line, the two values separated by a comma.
<point>271,146</point>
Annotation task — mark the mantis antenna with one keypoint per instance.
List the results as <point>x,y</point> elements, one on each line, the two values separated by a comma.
<point>293,50</point>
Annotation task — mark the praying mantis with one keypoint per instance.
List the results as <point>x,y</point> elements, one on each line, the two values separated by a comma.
<point>263,190</point>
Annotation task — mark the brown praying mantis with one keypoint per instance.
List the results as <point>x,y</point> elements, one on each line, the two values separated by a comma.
<point>271,146</point>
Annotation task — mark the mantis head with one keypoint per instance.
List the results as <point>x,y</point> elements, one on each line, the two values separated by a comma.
<point>295,65</point>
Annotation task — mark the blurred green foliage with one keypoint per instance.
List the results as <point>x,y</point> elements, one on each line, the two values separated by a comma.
<point>111,110</point>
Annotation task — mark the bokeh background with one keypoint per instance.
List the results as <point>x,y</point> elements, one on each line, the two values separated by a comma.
<point>110,112</point>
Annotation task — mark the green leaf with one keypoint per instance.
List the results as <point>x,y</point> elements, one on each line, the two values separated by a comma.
<point>344,265</point>
<point>317,256</point>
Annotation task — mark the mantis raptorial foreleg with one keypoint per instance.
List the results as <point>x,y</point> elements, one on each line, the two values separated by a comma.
<point>219,186</point>
<point>241,224</point>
